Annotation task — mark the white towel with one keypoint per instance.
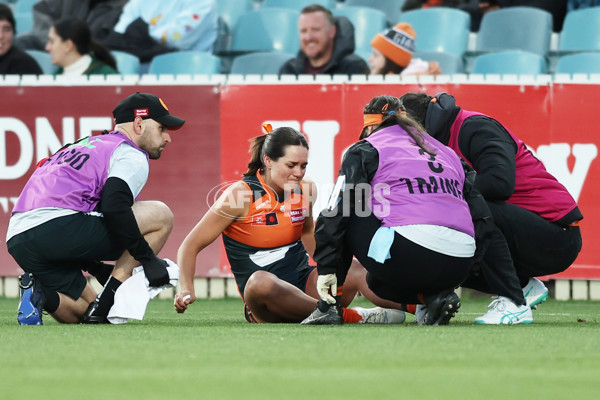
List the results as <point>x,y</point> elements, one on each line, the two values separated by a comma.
<point>132,297</point>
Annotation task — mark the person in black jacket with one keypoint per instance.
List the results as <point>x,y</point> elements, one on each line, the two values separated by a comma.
<point>536,214</point>
<point>326,45</point>
<point>12,59</point>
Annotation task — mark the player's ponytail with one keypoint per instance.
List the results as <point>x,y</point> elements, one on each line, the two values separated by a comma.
<point>273,145</point>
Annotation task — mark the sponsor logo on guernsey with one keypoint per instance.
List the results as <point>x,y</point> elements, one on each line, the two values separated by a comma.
<point>298,216</point>
<point>141,112</point>
<point>264,204</point>
<point>265,219</point>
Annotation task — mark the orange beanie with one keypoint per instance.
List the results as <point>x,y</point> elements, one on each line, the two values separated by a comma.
<point>397,43</point>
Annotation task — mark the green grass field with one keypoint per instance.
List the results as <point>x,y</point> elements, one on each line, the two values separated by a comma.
<point>212,353</point>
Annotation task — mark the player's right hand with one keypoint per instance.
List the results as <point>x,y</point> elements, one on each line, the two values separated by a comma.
<point>182,300</point>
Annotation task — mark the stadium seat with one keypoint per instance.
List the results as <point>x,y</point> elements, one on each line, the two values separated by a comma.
<point>23,22</point>
<point>509,62</point>
<point>231,10</point>
<point>440,29</point>
<point>368,22</point>
<point>297,4</point>
<point>24,6</point>
<point>259,63</point>
<point>44,60</point>
<point>580,31</point>
<point>578,63</point>
<point>515,28</point>
<point>267,29</point>
<point>185,62</point>
<point>126,63</point>
<point>449,63</point>
<point>391,8</point>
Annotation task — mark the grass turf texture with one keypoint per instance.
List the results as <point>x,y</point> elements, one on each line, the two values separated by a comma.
<point>210,352</point>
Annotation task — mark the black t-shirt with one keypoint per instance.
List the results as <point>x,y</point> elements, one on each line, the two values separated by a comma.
<point>18,62</point>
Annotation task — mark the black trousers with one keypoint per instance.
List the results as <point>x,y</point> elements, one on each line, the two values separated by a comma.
<point>411,271</point>
<point>537,247</point>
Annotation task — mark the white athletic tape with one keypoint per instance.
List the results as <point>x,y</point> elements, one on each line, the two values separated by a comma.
<point>187,297</point>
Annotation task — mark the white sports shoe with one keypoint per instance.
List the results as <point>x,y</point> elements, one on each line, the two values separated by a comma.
<point>378,315</point>
<point>504,312</point>
<point>535,292</point>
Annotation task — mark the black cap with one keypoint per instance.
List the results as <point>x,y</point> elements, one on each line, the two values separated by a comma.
<point>145,105</point>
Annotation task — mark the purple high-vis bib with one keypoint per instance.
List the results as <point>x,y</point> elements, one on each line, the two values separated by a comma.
<point>73,178</point>
<point>412,187</point>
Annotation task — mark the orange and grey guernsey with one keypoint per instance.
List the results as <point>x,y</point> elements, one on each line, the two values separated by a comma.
<point>270,222</point>
<point>269,237</point>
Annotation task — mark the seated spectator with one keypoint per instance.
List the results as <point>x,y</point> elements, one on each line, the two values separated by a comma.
<point>101,16</point>
<point>12,59</point>
<point>579,4</point>
<point>326,45</point>
<point>180,25</point>
<point>477,8</point>
<point>71,46</point>
<point>414,4</point>
<point>393,53</point>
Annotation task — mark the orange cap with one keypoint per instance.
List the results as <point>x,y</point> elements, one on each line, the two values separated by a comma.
<point>397,43</point>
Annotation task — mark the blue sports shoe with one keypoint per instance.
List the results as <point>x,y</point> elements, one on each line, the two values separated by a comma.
<point>32,301</point>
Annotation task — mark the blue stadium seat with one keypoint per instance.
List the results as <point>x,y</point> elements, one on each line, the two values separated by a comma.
<point>126,63</point>
<point>391,8</point>
<point>509,62</point>
<point>44,60</point>
<point>297,4</point>
<point>578,63</point>
<point>440,29</point>
<point>368,22</point>
<point>24,6</point>
<point>267,29</point>
<point>259,63</point>
<point>231,10</point>
<point>23,22</point>
<point>185,62</point>
<point>515,28</point>
<point>580,31</point>
<point>449,63</point>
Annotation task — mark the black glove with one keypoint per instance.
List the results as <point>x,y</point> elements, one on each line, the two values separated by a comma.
<point>156,272</point>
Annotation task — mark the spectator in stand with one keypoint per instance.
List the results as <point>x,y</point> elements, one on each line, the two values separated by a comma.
<point>393,53</point>
<point>101,16</point>
<point>181,25</point>
<point>12,59</point>
<point>326,45</point>
<point>579,4</point>
<point>477,8</point>
<point>414,4</point>
<point>71,46</point>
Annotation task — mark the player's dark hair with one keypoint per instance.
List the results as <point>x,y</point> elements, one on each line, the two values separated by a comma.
<point>78,31</point>
<point>273,145</point>
<point>416,105</point>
